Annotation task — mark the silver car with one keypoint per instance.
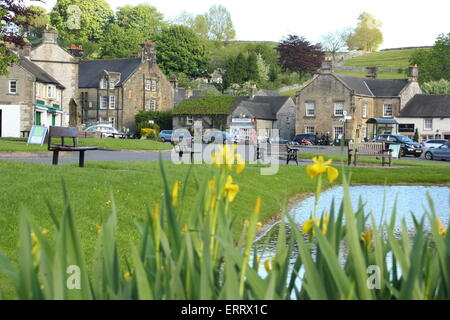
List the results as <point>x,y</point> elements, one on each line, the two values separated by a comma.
<point>440,153</point>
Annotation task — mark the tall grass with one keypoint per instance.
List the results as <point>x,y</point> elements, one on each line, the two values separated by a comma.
<point>200,259</point>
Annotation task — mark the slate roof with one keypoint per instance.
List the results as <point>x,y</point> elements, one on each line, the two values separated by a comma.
<point>90,70</point>
<point>38,72</point>
<point>427,106</point>
<point>263,107</point>
<point>375,87</point>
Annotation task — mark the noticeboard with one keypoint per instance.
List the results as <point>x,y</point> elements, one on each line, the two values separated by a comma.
<point>37,135</point>
<point>395,149</point>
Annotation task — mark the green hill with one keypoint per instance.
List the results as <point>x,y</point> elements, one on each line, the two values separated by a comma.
<point>382,59</point>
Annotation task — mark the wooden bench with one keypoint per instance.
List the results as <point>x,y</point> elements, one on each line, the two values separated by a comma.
<point>369,149</point>
<point>70,133</point>
<point>290,153</point>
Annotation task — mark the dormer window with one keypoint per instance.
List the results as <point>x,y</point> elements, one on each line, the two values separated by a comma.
<point>103,83</point>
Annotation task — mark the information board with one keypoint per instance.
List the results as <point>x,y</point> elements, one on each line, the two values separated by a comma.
<point>37,135</point>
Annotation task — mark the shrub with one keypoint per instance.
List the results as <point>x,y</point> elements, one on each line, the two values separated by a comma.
<point>143,130</point>
<point>162,118</point>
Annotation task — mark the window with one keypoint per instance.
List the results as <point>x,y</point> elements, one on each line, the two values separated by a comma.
<point>51,91</point>
<point>309,130</point>
<point>189,120</point>
<point>338,109</point>
<point>154,85</point>
<point>338,132</point>
<point>310,109</point>
<point>112,102</point>
<point>364,110</point>
<point>103,83</point>
<point>13,86</point>
<point>428,124</point>
<point>153,105</point>
<point>387,110</point>
<point>103,102</point>
<point>148,85</point>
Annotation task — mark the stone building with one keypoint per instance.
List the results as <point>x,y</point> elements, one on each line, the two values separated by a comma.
<point>327,97</point>
<point>62,65</point>
<point>28,96</point>
<point>113,91</point>
<point>429,114</point>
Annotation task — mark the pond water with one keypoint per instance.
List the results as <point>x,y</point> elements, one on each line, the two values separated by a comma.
<point>377,200</point>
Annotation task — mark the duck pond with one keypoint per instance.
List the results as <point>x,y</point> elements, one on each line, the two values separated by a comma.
<point>376,200</point>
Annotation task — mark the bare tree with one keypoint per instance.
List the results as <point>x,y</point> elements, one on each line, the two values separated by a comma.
<point>334,42</point>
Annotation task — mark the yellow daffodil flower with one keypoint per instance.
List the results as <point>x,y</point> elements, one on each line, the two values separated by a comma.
<point>259,225</point>
<point>267,265</point>
<point>227,156</point>
<point>175,193</point>
<point>442,230</point>
<point>127,276</point>
<point>308,225</point>
<point>320,167</point>
<point>258,205</point>
<point>367,237</point>
<point>230,189</point>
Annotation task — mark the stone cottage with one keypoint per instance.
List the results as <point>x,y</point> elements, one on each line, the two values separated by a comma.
<point>28,96</point>
<point>368,104</point>
<point>113,91</point>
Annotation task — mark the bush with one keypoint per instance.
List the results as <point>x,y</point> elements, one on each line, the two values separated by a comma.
<point>162,118</point>
<point>148,130</point>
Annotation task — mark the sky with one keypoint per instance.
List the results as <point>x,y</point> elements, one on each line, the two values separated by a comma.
<point>404,22</point>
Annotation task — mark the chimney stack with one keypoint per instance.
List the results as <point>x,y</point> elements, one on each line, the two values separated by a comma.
<point>327,66</point>
<point>148,52</point>
<point>413,73</point>
<point>76,51</point>
<point>371,72</point>
<point>253,91</point>
<point>49,36</point>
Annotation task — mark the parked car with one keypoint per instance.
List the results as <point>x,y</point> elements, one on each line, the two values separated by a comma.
<point>434,143</point>
<point>407,146</point>
<point>439,153</point>
<point>179,136</point>
<point>105,130</point>
<point>166,135</point>
<point>306,139</point>
<point>210,136</point>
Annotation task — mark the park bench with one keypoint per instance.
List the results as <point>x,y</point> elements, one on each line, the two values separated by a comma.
<point>66,133</point>
<point>369,149</point>
<point>290,153</point>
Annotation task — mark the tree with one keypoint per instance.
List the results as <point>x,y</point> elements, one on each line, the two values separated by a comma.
<point>181,51</point>
<point>252,67</point>
<point>14,16</point>
<point>334,42</point>
<point>220,24</point>
<point>143,17</point>
<point>367,35</point>
<point>263,68</point>
<point>37,22</point>
<point>198,24</point>
<point>437,87</point>
<point>299,55</point>
<point>434,63</point>
<point>119,42</point>
<point>81,20</point>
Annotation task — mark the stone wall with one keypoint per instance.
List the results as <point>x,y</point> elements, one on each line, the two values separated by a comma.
<point>409,92</point>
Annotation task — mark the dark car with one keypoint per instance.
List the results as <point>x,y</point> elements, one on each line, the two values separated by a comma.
<point>440,153</point>
<point>305,139</point>
<point>407,146</point>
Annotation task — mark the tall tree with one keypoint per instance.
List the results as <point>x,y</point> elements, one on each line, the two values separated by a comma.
<point>252,67</point>
<point>334,42</point>
<point>14,16</point>
<point>198,23</point>
<point>143,17</point>
<point>81,20</point>
<point>181,51</point>
<point>299,55</point>
<point>119,42</point>
<point>367,35</point>
<point>220,24</point>
<point>434,63</point>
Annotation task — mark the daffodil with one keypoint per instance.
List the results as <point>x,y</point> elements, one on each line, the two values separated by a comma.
<point>175,193</point>
<point>320,167</point>
<point>259,225</point>
<point>442,230</point>
<point>366,237</point>
<point>227,156</point>
<point>258,205</point>
<point>308,225</point>
<point>230,189</point>
<point>267,265</point>
<point>127,276</point>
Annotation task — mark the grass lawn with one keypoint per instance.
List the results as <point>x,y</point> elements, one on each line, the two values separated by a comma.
<point>138,186</point>
<point>20,145</point>
<point>382,59</point>
<point>380,74</point>
<point>290,93</point>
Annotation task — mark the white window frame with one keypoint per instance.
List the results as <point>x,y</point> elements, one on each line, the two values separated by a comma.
<point>384,110</point>
<point>154,86</point>
<point>148,84</point>
<point>189,120</point>
<point>153,105</point>
<point>51,91</point>
<point>112,102</point>
<point>16,86</point>
<point>334,131</point>
<point>425,128</point>
<point>341,113</point>
<point>103,84</point>
<point>308,109</point>
<point>308,131</point>
<point>103,102</point>
<point>364,111</point>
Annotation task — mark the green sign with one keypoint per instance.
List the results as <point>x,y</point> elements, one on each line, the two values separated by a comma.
<point>37,135</point>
